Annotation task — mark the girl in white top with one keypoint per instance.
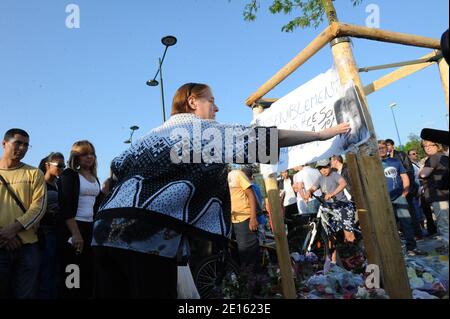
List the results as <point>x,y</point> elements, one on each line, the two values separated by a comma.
<point>80,198</point>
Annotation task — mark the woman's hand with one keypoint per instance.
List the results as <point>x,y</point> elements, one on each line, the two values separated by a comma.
<point>77,243</point>
<point>341,128</point>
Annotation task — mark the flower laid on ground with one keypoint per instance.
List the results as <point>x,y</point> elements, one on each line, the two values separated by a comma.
<point>250,284</point>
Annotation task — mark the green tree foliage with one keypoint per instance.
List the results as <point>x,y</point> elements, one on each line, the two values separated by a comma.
<point>312,12</point>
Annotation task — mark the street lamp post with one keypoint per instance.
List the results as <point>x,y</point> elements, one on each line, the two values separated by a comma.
<point>132,129</point>
<point>392,105</point>
<point>168,41</point>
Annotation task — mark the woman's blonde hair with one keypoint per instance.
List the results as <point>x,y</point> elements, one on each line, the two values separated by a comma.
<point>79,148</point>
<point>180,99</point>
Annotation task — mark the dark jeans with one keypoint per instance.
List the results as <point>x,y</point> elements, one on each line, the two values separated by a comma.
<point>121,273</point>
<point>248,244</point>
<point>414,216</point>
<point>19,272</point>
<point>401,211</point>
<point>48,273</point>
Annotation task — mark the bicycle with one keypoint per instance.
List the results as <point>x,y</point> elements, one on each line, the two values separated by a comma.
<point>324,234</point>
<point>214,271</point>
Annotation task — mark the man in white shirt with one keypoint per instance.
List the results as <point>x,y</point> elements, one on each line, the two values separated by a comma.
<point>303,181</point>
<point>288,195</point>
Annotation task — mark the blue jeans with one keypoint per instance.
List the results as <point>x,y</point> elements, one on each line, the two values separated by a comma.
<point>48,272</point>
<point>419,213</point>
<point>401,211</point>
<point>19,272</point>
<point>440,210</point>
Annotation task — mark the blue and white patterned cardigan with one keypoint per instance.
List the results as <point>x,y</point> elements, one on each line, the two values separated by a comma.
<point>156,201</point>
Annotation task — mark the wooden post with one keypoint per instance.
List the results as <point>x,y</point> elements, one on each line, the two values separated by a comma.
<point>284,259</point>
<point>443,71</point>
<point>369,236</point>
<point>376,201</point>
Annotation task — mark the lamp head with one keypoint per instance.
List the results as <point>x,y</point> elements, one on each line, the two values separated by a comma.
<point>169,40</point>
<point>392,104</point>
<point>152,82</point>
<point>127,141</point>
<point>134,128</point>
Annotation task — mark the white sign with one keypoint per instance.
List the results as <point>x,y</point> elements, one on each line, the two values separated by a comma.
<point>315,106</point>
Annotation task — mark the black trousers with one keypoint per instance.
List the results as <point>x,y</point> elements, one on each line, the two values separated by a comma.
<point>84,263</point>
<point>120,273</point>
<point>431,225</point>
<point>248,244</point>
<point>289,211</point>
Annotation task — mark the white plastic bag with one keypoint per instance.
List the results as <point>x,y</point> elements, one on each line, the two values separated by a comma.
<point>185,286</point>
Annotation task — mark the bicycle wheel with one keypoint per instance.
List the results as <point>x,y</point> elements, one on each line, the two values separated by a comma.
<point>211,274</point>
<point>319,246</point>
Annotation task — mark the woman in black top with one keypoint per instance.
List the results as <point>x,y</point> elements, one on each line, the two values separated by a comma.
<point>52,166</point>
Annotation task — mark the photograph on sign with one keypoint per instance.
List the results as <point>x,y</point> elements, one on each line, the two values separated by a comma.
<point>349,109</point>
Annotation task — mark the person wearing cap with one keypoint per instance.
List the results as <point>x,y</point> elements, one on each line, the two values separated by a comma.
<point>332,185</point>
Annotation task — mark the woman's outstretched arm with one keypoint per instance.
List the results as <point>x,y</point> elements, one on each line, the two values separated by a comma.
<point>287,138</point>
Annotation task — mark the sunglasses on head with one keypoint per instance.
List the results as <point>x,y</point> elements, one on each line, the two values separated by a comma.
<point>58,165</point>
<point>191,87</point>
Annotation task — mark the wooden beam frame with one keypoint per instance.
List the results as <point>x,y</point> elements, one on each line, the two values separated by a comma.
<point>398,74</point>
<point>351,30</point>
<point>377,216</point>
<point>337,29</point>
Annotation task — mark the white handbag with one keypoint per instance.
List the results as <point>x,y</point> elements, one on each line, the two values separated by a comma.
<point>185,286</point>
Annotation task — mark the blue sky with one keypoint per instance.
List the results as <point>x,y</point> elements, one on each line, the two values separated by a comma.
<point>63,85</point>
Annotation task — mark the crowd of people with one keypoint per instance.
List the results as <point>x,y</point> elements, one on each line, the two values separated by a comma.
<point>418,189</point>
<point>64,235</point>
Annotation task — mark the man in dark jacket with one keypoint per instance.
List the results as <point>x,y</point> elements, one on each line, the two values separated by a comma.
<point>407,164</point>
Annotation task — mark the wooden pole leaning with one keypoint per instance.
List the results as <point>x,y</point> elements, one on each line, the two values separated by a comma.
<point>313,47</point>
<point>443,71</point>
<point>284,259</point>
<point>398,74</point>
<point>356,31</point>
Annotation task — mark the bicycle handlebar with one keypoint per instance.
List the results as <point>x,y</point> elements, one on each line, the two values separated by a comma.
<point>322,200</point>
